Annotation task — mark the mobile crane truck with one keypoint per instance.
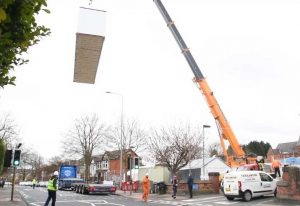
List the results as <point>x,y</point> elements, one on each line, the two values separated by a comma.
<point>224,128</point>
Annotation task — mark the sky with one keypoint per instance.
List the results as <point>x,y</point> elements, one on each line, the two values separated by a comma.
<point>248,50</point>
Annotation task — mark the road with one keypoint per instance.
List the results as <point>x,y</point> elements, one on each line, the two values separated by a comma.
<point>37,197</point>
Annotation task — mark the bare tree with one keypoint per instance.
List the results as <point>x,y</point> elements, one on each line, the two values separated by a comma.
<point>175,146</point>
<point>56,161</point>
<point>46,170</point>
<point>133,136</point>
<point>8,131</point>
<point>31,163</point>
<point>84,138</point>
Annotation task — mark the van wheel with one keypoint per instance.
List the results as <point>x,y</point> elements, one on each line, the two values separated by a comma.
<point>230,198</point>
<point>247,196</point>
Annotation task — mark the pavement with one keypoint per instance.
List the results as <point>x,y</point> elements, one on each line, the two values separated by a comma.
<point>5,197</point>
<point>138,195</point>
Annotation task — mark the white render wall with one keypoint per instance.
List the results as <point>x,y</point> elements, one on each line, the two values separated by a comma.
<point>216,165</point>
<point>91,21</point>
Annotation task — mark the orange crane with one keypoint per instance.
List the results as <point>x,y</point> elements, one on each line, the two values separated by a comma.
<point>226,133</point>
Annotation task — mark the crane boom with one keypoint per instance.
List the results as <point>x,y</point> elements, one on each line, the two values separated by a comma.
<point>225,131</point>
<point>185,51</point>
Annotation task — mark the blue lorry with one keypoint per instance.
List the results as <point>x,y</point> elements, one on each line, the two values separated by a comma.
<point>68,181</point>
<point>67,176</point>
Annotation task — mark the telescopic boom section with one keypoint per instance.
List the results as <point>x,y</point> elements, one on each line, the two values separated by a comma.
<point>223,126</point>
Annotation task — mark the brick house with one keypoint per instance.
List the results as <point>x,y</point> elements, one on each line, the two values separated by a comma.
<point>284,150</point>
<point>106,166</point>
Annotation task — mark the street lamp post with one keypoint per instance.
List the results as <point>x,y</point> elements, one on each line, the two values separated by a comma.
<point>121,137</point>
<point>203,163</point>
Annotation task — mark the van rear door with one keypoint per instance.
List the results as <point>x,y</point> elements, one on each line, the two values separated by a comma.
<point>231,185</point>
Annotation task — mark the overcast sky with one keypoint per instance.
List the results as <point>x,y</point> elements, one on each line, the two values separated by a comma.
<point>247,49</point>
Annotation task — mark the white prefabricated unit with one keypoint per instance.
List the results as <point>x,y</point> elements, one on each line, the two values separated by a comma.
<point>200,171</point>
<point>248,184</point>
<point>156,173</point>
<point>89,43</point>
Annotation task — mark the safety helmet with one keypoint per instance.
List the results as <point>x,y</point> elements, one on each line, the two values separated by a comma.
<point>147,174</point>
<point>55,173</point>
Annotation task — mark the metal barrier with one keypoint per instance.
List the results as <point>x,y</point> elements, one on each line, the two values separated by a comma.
<point>126,186</point>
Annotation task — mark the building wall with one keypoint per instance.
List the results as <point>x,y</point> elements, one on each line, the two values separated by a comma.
<point>114,167</point>
<point>298,151</point>
<point>275,154</point>
<point>271,157</point>
<point>215,166</point>
<point>288,188</point>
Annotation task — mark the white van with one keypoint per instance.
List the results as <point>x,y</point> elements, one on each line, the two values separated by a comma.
<point>248,184</point>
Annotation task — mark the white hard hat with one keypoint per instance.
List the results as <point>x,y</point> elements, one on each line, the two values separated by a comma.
<point>55,173</point>
<point>147,174</point>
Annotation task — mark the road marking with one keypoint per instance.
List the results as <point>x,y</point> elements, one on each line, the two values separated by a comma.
<point>201,199</point>
<point>225,203</point>
<point>265,202</point>
<point>195,202</point>
<point>23,194</point>
<point>91,202</point>
<point>99,202</point>
<point>34,204</point>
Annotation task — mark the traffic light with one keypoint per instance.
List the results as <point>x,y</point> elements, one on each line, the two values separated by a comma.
<point>17,158</point>
<point>7,158</point>
<point>136,163</point>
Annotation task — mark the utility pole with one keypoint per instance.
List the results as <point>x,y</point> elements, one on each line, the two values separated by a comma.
<point>203,155</point>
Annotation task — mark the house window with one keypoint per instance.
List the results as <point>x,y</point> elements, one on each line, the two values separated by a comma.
<point>98,165</point>
<point>104,165</point>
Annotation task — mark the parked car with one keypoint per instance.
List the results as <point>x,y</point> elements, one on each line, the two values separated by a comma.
<point>248,184</point>
<point>43,184</point>
<point>26,183</point>
<point>8,183</point>
<point>2,182</point>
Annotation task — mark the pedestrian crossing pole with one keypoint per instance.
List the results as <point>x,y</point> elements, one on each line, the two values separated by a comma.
<point>13,185</point>
<point>15,164</point>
